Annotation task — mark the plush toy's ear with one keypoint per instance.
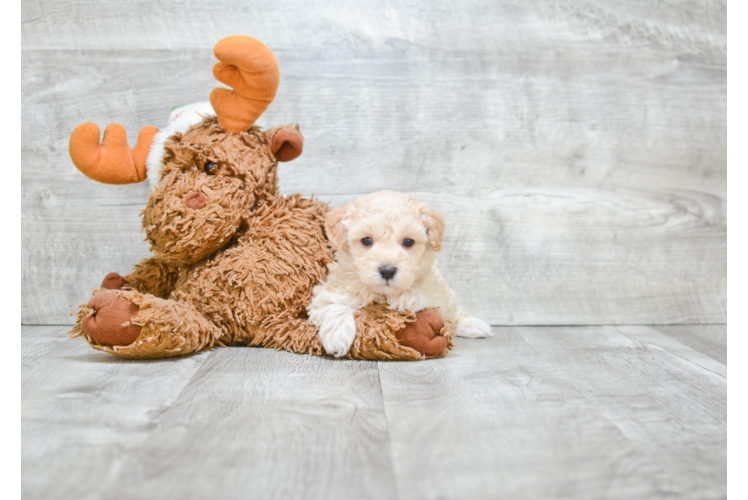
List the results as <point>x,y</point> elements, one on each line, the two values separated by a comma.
<point>334,227</point>
<point>288,143</point>
<point>435,226</point>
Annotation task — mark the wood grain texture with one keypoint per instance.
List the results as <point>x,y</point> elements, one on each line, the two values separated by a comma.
<point>737,429</point>
<point>551,412</point>
<point>710,340</point>
<point>83,411</point>
<point>668,399</point>
<point>267,424</point>
<point>535,412</point>
<point>736,225</point>
<point>577,150</point>
<point>37,341</point>
<point>470,24</point>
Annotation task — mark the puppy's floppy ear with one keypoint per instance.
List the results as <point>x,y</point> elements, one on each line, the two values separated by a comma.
<point>334,227</point>
<point>435,226</point>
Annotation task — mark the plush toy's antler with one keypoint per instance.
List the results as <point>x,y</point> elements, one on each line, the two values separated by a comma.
<point>251,69</point>
<point>247,65</point>
<point>113,161</point>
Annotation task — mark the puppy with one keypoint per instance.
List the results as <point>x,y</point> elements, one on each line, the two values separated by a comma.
<point>385,252</point>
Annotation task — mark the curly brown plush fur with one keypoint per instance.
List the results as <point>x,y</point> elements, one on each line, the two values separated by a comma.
<point>234,261</point>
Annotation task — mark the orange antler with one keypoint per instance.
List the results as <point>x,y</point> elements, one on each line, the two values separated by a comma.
<point>114,161</point>
<point>251,69</point>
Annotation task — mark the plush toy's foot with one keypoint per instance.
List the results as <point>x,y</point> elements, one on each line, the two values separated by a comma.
<point>134,325</point>
<point>111,323</point>
<point>421,335</point>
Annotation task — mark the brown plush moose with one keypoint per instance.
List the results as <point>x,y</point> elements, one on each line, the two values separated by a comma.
<point>234,261</point>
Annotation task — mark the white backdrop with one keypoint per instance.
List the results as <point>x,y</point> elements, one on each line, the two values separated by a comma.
<point>578,151</point>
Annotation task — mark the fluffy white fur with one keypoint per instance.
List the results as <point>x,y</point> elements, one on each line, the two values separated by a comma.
<point>180,119</point>
<point>354,279</point>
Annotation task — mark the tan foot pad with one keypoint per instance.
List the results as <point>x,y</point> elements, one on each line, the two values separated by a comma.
<point>111,324</point>
<point>421,335</point>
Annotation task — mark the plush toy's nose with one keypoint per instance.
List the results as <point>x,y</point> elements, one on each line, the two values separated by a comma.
<point>194,200</point>
<point>387,272</point>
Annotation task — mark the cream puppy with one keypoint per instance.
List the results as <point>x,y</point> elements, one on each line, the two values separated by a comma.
<point>385,252</point>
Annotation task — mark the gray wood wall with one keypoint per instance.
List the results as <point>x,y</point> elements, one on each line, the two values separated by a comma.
<point>577,150</point>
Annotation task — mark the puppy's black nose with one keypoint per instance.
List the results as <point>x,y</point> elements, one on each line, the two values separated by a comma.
<point>387,272</point>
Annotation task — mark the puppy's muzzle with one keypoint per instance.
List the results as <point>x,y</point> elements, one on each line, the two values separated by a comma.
<point>387,272</point>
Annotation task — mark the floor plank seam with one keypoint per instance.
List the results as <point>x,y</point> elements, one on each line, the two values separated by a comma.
<point>132,452</point>
<point>389,436</point>
<point>593,403</point>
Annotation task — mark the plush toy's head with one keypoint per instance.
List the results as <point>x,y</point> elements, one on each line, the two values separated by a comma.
<point>210,167</point>
<point>211,182</point>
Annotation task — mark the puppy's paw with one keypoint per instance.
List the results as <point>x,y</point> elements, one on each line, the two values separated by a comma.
<point>338,329</point>
<point>410,300</point>
<point>473,328</point>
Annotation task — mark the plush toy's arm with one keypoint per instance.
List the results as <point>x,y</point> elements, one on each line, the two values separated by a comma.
<point>383,333</point>
<point>155,276</point>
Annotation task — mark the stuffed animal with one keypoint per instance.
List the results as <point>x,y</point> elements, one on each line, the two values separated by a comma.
<point>234,261</point>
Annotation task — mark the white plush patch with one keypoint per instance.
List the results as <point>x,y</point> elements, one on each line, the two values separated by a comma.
<point>337,329</point>
<point>180,119</point>
<point>473,328</point>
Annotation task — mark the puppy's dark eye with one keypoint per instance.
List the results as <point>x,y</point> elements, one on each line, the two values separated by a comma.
<point>211,168</point>
<point>367,242</point>
<point>407,242</point>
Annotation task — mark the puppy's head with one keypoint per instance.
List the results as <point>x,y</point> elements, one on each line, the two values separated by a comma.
<point>387,237</point>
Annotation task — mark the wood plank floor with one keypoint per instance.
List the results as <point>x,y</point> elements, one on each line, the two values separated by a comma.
<point>534,412</point>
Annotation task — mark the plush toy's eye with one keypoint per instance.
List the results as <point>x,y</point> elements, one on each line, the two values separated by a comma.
<point>407,242</point>
<point>211,168</point>
<point>367,242</point>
